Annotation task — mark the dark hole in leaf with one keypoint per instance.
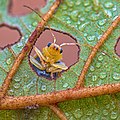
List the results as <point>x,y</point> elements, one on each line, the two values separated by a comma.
<point>8,35</point>
<point>117,47</point>
<point>16,8</point>
<point>70,53</point>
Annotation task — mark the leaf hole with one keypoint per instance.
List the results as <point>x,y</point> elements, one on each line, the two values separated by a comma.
<point>117,47</point>
<point>9,35</point>
<point>16,8</point>
<point>70,53</point>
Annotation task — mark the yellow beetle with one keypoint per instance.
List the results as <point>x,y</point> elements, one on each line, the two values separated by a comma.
<point>50,58</point>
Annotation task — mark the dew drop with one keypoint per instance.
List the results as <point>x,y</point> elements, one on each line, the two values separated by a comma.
<point>74,15</point>
<point>70,3</point>
<point>67,114</point>
<point>105,112</point>
<point>9,61</point>
<point>78,2</point>
<point>85,34</point>
<point>96,110</point>
<point>89,113</point>
<point>34,24</point>
<point>116,59</point>
<point>109,4</point>
<point>16,79</point>
<point>82,19</point>
<point>82,27</point>
<point>65,85</point>
<point>107,106</point>
<point>68,21</point>
<point>101,22</point>
<point>100,57</point>
<point>89,74</point>
<point>113,115</point>
<point>91,38</point>
<point>108,12</point>
<point>98,64</point>
<point>88,9</point>
<point>92,68</point>
<point>78,113</point>
<point>64,7</point>
<point>94,17</point>
<point>114,9</point>
<point>72,118</point>
<point>20,44</point>
<point>11,92</point>
<point>43,87</point>
<point>94,78</point>
<point>103,75</point>
<point>116,76</point>
<point>86,3</point>
<point>16,85</point>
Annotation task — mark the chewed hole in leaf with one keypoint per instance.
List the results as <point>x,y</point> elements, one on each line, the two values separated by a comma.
<point>16,8</point>
<point>117,47</point>
<point>8,35</point>
<point>70,54</point>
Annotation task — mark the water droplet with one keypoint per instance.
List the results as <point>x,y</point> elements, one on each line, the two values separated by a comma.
<point>65,85</point>
<point>92,68</point>
<point>67,114</point>
<point>107,106</point>
<point>113,115</point>
<point>94,78</point>
<point>109,4</point>
<point>87,9</point>
<point>109,13</point>
<point>82,19</point>
<point>85,34</point>
<point>78,2</point>
<point>91,38</point>
<point>89,113</point>
<point>9,61</point>
<point>94,17</point>
<point>43,87</point>
<point>116,76</point>
<point>105,112</point>
<point>16,79</point>
<point>20,44</point>
<point>103,75</point>
<point>82,27</point>
<point>74,15</point>
<point>114,9</point>
<point>70,3</point>
<point>68,21</point>
<point>100,57</point>
<point>101,22</point>
<point>98,64</point>
<point>34,24</point>
<point>16,85</point>
<point>78,113</point>
<point>96,110</point>
<point>11,92</point>
<point>86,3</point>
<point>89,74</point>
<point>64,7</point>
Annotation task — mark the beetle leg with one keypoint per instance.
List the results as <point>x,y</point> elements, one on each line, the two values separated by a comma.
<point>40,55</point>
<point>63,44</point>
<point>36,63</point>
<point>60,65</point>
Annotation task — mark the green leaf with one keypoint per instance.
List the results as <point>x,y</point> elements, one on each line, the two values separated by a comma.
<point>86,21</point>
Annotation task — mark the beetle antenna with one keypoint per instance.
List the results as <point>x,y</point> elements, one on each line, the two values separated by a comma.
<point>63,44</point>
<point>42,19</point>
